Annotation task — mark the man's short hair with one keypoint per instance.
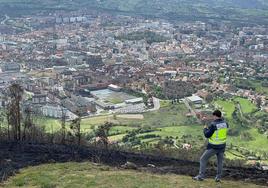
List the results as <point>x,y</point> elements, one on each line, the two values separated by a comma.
<point>217,113</point>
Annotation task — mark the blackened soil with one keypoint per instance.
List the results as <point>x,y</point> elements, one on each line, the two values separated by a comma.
<point>16,156</point>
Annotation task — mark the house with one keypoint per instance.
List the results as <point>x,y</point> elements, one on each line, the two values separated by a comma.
<point>177,89</point>
<point>93,59</point>
<point>54,96</point>
<point>203,93</point>
<point>194,99</point>
<point>11,67</point>
<point>32,87</point>
<point>82,80</point>
<point>39,99</point>
<point>171,74</point>
<point>104,106</point>
<point>78,104</point>
<point>53,111</point>
<point>134,101</point>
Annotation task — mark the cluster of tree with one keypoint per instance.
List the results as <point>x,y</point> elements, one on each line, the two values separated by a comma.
<point>149,36</point>
<point>158,92</point>
<point>239,118</point>
<point>246,136</point>
<point>102,133</point>
<point>17,123</point>
<point>132,137</point>
<point>167,141</point>
<point>262,121</point>
<point>233,132</point>
<point>245,84</point>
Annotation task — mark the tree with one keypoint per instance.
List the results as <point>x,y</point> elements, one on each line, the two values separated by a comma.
<point>2,120</point>
<point>145,100</point>
<point>103,132</point>
<point>209,98</point>
<point>63,126</point>
<point>27,122</point>
<point>15,92</point>
<point>76,128</point>
<point>258,102</point>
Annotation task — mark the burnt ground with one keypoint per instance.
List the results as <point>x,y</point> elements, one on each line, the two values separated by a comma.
<point>14,157</point>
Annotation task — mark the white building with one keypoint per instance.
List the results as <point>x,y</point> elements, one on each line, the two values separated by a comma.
<point>194,99</point>
<point>114,87</point>
<point>134,101</point>
<point>53,111</point>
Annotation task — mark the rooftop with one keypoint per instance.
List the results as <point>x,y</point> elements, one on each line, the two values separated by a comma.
<point>194,98</point>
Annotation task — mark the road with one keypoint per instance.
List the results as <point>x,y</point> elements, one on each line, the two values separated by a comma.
<point>156,102</point>
<point>15,27</point>
<point>175,144</point>
<point>191,109</point>
<point>157,105</point>
<point>240,110</point>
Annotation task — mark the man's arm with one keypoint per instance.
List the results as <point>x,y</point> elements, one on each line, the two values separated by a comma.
<point>209,131</point>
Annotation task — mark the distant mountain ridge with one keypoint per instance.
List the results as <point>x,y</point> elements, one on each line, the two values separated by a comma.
<point>238,10</point>
<point>242,4</point>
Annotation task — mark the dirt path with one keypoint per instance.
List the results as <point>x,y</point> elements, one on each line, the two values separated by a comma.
<point>14,157</point>
<point>131,116</point>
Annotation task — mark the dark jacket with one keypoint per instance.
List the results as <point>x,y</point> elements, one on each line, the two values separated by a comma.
<point>208,132</point>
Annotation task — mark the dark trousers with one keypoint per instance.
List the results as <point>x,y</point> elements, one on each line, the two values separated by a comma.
<point>204,160</point>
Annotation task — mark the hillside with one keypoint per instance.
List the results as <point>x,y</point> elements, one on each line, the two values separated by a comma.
<point>85,175</point>
<point>233,10</point>
<point>14,158</point>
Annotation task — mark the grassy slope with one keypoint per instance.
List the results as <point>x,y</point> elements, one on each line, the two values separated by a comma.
<point>227,106</point>
<point>246,105</point>
<point>51,125</point>
<point>86,175</point>
<point>166,116</point>
<point>170,121</point>
<point>177,131</point>
<point>259,142</point>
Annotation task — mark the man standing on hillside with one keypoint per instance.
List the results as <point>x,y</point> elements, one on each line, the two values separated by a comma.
<point>217,135</point>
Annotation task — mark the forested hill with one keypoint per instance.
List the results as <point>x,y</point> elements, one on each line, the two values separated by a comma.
<point>234,10</point>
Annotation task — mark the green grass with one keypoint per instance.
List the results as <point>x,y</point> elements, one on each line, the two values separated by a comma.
<point>171,121</point>
<point>233,155</point>
<point>50,125</point>
<point>227,106</point>
<point>166,116</point>
<point>115,100</point>
<point>120,129</point>
<point>165,103</point>
<point>89,123</point>
<point>177,131</point>
<point>86,175</point>
<point>253,84</point>
<point>259,142</point>
<point>246,105</point>
<point>150,140</point>
<point>259,88</point>
<point>117,137</point>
